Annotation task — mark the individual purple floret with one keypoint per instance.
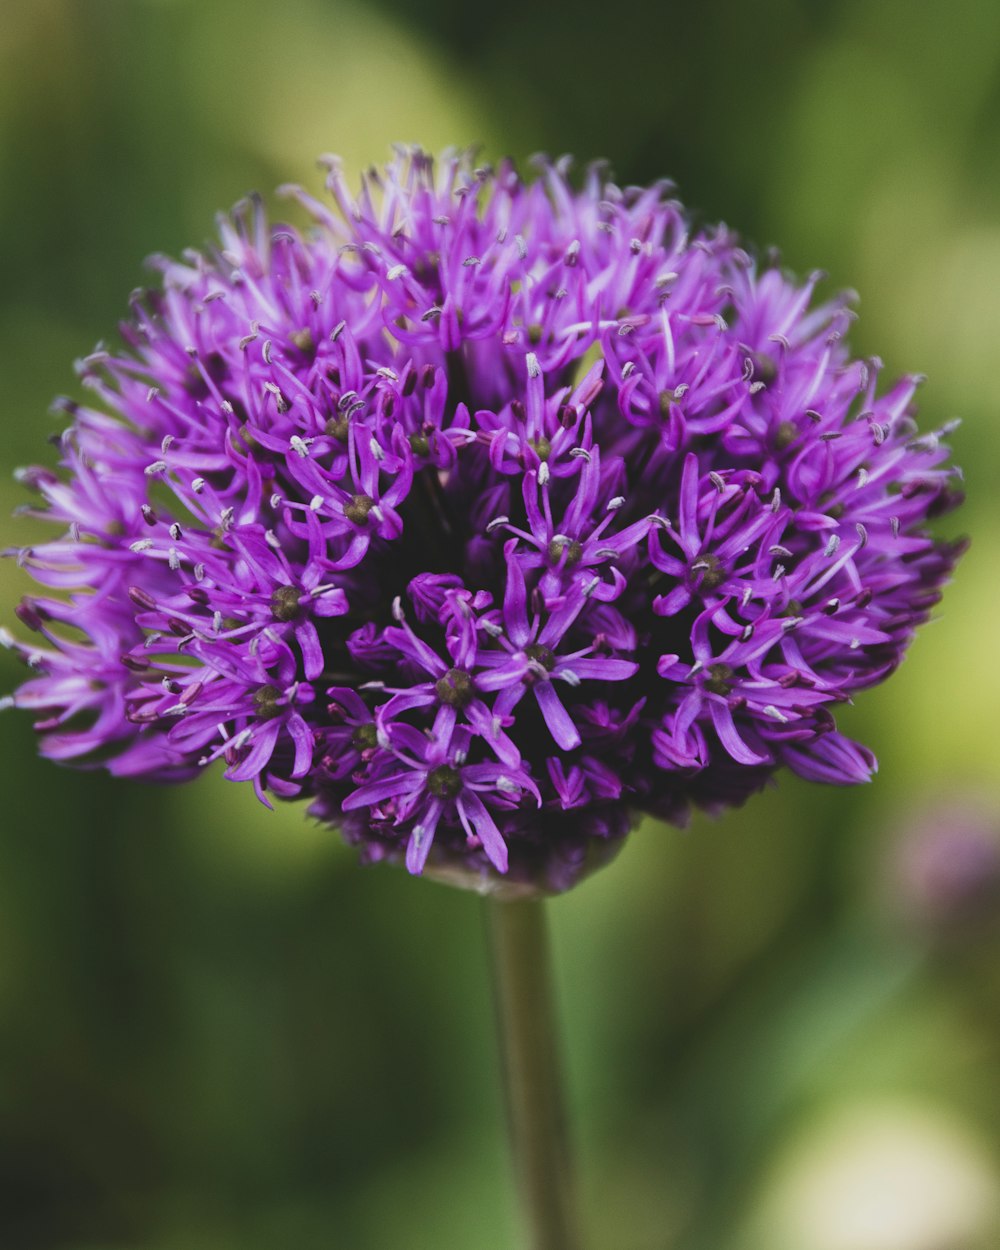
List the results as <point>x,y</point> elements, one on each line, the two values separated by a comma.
<point>486,515</point>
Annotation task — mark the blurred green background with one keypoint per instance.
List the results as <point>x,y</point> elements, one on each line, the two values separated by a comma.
<point>783,1028</point>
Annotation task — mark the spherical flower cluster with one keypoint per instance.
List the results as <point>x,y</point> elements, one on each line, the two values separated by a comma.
<point>486,514</point>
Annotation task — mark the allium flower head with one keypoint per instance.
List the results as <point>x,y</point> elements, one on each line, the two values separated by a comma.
<point>487,514</point>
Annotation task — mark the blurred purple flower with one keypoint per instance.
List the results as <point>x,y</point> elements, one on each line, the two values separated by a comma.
<point>487,515</point>
<point>945,868</point>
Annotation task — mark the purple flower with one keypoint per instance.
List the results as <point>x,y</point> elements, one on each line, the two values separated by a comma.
<point>486,515</point>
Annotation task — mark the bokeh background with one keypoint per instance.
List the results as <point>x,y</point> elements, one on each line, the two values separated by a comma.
<point>783,1028</point>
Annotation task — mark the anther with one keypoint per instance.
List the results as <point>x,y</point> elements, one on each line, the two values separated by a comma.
<point>141,598</point>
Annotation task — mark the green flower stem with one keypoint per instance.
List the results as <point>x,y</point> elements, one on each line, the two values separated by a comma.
<point>535,1114</point>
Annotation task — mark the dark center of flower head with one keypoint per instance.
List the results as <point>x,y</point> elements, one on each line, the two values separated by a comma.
<point>444,782</point>
<point>365,736</point>
<point>265,700</point>
<point>667,398</point>
<point>247,435</point>
<point>541,447</point>
<point>719,679</point>
<point>338,427</point>
<point>359,507</point>
<point>786,434</point>
<point>303,340</point>
<point>285,603</point>
<point>541,655</point>
<point>765,367</point>
<point>420,444</point>
<point>454,688</point>
<point>711,571</point>
<point>569,547</point>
